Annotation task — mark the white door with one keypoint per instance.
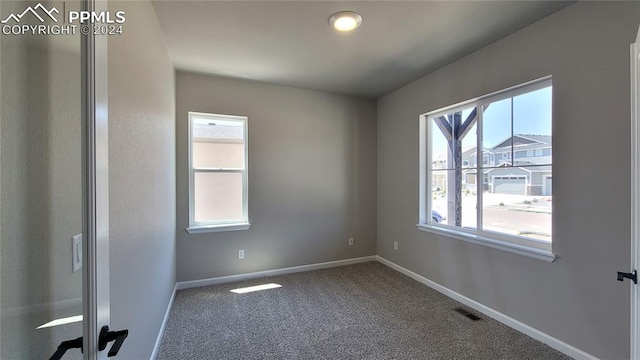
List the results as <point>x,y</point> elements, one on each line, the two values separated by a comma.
<point>548,186</point>
<point>54,283</point>
<point>635,194</point>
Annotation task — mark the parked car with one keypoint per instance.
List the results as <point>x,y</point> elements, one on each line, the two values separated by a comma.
<point>437,217</point>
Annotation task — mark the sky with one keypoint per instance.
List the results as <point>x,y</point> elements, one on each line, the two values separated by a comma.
<point>531,115</point>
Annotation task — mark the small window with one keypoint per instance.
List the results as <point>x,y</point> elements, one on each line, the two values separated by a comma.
<point>512,205</point>
<point>218,186</point>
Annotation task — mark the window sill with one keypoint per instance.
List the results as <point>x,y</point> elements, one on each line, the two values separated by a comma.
<point>535,251</point>
<point>217,228</point>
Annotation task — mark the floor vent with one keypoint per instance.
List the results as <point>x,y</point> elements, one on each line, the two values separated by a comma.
<point>466,314</point>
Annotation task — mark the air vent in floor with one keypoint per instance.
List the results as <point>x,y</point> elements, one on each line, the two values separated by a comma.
<point>466,314</point>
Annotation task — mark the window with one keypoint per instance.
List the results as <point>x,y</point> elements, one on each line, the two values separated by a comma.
<point>511,208</point>
<point>218,186</point>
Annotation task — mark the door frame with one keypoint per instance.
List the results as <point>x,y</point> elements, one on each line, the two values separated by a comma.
<point>96,307</point>
<point>635,195</point>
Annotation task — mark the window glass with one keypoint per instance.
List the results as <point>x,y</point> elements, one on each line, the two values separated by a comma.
<point>218,197</point>
<point>217,144</point>
<point>516,194</point>
<point>440,150</point>
<point>218,175</point>
<point>496,130</point>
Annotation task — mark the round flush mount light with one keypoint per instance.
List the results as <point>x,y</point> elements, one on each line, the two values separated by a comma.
<point>345,21</point>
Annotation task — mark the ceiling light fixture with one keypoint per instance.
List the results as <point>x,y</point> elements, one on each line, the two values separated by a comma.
<point>345,21</point>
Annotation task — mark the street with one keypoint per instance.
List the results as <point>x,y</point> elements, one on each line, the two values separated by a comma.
<point>512,214</point>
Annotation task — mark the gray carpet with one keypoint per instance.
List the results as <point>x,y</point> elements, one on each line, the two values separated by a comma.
<point>363,311</point>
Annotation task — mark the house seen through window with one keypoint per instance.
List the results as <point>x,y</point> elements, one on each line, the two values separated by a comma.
<point>508,194</point>
<point>218,172</point>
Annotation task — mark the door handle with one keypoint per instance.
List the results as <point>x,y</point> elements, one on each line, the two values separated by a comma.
<point>66,345</point>
<point>107,336</point>
<point>633,276</point>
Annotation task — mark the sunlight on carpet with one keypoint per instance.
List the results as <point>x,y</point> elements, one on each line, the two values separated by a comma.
<point>249,289</point>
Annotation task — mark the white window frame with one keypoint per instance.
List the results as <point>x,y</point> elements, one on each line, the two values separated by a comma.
<point>223,225</point>
<point>537,249</point>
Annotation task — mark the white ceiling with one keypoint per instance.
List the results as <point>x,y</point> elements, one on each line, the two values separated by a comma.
<point>290,42</point>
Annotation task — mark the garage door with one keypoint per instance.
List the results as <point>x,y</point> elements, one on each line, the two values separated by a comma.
<point>514,185</point>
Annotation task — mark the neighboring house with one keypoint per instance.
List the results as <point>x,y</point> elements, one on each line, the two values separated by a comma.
<point>531,171</point>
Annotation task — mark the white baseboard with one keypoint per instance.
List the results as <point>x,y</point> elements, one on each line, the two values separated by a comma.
<point>239,277</point>
<point>156,348</point>
<point>509,321</point>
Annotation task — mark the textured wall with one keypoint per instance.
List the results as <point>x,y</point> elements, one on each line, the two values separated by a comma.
<point>575,299</point>
<point>141,178</point>
<point>312,177</point>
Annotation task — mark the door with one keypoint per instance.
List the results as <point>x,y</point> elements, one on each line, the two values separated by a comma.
<point>53,185</point>
<point>635,194</point>
<point>548,186</point>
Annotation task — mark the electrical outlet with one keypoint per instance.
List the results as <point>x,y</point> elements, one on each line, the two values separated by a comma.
<point>395,245</point>
<point>351,241</point>
<point>76,252</point>
<point>241,254</point>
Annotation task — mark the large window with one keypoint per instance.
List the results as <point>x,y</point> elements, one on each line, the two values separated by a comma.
<point>505,199</point>
<point>217,173</point>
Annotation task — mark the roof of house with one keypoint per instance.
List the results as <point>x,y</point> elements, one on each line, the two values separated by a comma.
<point>524,139</point>
<point>545,139</point>
<point>519,167</point>
<point>214,131</point>
<point>530,166</point>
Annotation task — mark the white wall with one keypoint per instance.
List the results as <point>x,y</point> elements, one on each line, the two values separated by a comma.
<point>141,178</point>
<point>312,177</point>
<point>577,298</point>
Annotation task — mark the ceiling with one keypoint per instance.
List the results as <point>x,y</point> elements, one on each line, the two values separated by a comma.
<point>290,42</point>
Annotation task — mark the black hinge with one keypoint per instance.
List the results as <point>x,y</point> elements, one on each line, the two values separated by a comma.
<point>632,276</point>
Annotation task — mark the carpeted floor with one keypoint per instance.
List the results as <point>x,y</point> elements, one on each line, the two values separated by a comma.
<point>362,311</point>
